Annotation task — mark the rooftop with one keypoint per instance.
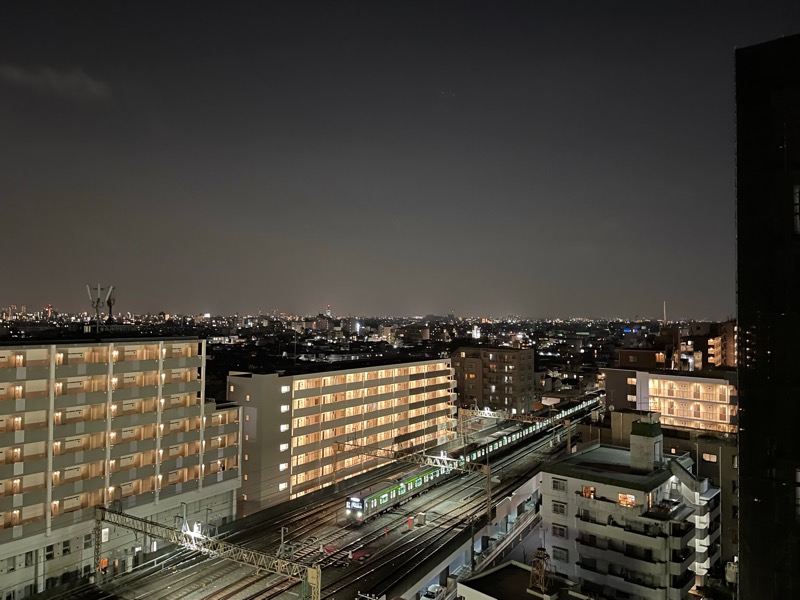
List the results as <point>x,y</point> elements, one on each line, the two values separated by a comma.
<point>325,367</point>
<point>506,582</point>
<point>94,338</point>
<point>610,465</point>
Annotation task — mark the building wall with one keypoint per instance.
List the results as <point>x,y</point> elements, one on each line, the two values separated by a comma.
<point>768,306</point>
<point>291,422</point>
<point>620,388</point>
<point>717,459</point>
<point>83,424</point>
<point>497,378</point>
<point>709,402</point>
<point>605,534</point>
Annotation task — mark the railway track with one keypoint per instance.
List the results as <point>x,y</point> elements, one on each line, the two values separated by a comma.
<point>189,575</point>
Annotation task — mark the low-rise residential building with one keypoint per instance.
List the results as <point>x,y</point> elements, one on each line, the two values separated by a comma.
<point>630,523</point>
<point>292,419</point>
<point>119,422</point>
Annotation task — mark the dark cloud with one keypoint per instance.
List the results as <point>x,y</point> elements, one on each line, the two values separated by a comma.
<point>73,84</point>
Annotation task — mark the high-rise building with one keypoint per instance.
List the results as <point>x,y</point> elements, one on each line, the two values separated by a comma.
<point>120,423</point>
<point>292,419</point>
<point>768,298</point>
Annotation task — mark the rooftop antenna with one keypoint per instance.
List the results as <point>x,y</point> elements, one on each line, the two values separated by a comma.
<point>110,300</point>
<point>98,297</point>
<point>665,313</point>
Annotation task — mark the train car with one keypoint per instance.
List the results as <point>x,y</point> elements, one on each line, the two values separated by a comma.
<point>496,442</point>
<point>365,504</point>
<point>382,496</point>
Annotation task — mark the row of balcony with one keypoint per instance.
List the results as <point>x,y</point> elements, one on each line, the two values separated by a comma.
<point>39,399</point>
<point>368,384</point>
<point>12,527</point>
<point>15,463</point>
<point>73,356</point>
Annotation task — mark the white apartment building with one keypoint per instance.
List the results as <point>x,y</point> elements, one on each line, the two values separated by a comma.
<point>292,420</point>
<point>122,423</point>
<point>632,523</point>
<point>707,401</point>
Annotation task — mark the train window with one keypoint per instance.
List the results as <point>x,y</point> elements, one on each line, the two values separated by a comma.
<point>401,489</point>
<point>418,482</point>
<point>384,498</point>
<point>373,504</point>
<point>393,494</point>
<point>425,478</point>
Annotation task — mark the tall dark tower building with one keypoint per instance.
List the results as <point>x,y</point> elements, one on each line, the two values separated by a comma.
<point>768,298</point>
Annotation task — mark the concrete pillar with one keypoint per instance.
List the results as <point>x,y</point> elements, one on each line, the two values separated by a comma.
<point>39,569</point>
<point>443,576</point>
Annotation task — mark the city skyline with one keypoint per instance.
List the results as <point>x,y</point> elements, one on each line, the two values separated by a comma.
<point>544,160</point>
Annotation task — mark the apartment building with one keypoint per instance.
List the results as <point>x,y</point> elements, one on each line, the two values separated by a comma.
<point>495,378</point>
<point>698,400</point>
<point>118,422</point>
<point>699,415</point>
<point>632,524</point>
<point>291,420</point>
<point>722,345</point>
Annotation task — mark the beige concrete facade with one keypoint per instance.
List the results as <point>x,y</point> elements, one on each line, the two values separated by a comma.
<point>291,422</point>
<point>121,423</point>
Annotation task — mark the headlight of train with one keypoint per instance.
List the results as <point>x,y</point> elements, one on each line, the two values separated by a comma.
<point>347,512</point>
<point>360,514</point>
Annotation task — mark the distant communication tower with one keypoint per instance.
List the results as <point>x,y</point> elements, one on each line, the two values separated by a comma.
<point>540,571</point>
<point>99,297</point>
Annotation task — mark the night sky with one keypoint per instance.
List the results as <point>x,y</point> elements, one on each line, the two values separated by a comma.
<point>483,158</point>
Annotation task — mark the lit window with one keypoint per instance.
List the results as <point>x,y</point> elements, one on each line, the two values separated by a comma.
<point>285,427</point>
<point>247,398</point>
<point>245,476</point>
<point>283,466</point>
<point>735,461</point>
<point>589,491</point>
<point>247,457</point>
<point>231,388</point>
<point>284,408</point>
<point>244,496</point>
<point>247,417</point>
<point>631,380</point>
<point>627,500</point>
<point>709,457</point>
<point>282,486</point>
<point>284,447</point>
<point>246,437</point>
<point>285,389</point>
